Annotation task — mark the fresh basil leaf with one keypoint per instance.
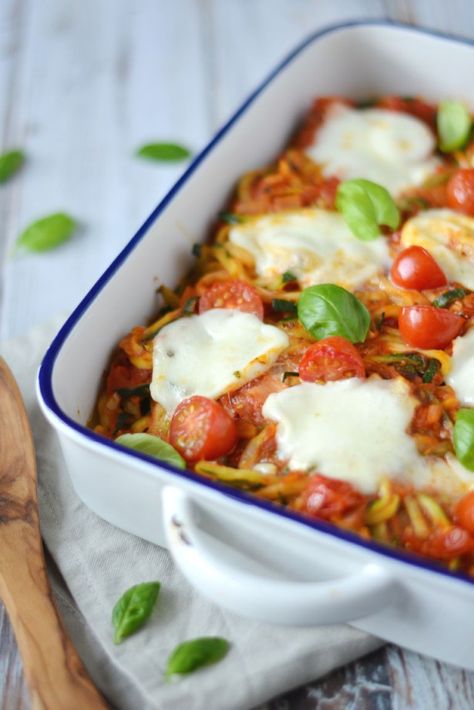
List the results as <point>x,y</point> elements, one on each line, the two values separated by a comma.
<point>288,277</point>
<point>133,609</point>
<point>47,233</point>
<point>454,125</point>
<point>448,297</point>
<point>365,206</point>
<point>463,437</point>
<point>164,152</point>
<point>152,446</point>
<point>191,655</point>
<point>328,309</point>
<point>10,163</point>
<point>281,305</point>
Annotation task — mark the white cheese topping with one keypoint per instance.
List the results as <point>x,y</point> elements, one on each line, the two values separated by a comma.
<point>316,245</point>
<point>211,354</point>
<point>390,148</point>
<point>461,376</point>
<point>353,430</point>
<point>449,237</point>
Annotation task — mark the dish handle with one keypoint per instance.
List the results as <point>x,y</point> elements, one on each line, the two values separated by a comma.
<point>274,600</point>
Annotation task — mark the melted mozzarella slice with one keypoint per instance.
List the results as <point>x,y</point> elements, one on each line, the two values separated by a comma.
<point>211,354</point>
<point>316,245</point>
<point>449,237</point>
<point>353,430</point>
<point>461,376</point>
<point>390,148</point>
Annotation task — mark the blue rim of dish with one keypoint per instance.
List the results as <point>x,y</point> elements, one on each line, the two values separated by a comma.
<point>46,369</point>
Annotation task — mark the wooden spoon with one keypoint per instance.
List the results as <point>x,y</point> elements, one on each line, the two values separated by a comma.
<point>54,673</point>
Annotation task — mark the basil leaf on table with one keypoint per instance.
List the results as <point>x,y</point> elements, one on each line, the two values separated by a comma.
<point>191,655</point>
<point>365,206</point>
<point>328,309</point>
<point>164,152</point>
<point>10,163</point>
<point>463,437</point>
<point>152,446</point>
<point>133,609</point>
<point>47,233</point>
<point>454,125</point>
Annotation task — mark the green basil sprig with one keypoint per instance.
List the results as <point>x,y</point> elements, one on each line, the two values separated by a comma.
<point>133,609</point>
<point>191,655</point>
<point>10,163</point>
<point>365,206</point>
<point>46,233</point>
<point>164,152</point>
<point>328,309</point>
<point>463,437</point>
<point>152,446</point>
<point>454,125</point>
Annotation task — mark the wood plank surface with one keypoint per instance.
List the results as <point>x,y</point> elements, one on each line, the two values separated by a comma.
<point>82,85</point>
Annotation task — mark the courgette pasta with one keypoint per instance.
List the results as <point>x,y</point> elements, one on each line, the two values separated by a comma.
<point>432,518</point>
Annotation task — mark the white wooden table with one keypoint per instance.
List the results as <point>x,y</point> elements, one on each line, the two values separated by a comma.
<point>82,84</point>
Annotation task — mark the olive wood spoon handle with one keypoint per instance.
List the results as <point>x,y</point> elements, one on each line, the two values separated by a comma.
<point>54,673</point>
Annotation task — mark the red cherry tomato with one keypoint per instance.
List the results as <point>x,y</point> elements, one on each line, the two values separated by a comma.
<point>202,429</point>
<point>460,190</point>
<point>443,544</point>
<point>330,499</point>
<point>428,326</point>
<point>415,268</point>
<point>464,512</point>
<point>232,293</point>
<point>333,358</point>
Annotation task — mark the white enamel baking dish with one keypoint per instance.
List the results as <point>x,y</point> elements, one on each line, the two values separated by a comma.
<point>245,554</point>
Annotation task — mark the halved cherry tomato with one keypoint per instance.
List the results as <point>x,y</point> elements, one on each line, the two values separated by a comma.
<point>415,268</point>
<point>428,326</point>
<point>232,293</point>
<point>333,358</point>
<point>464,512</point>
<point>330,499</point>
<point>202,429</point>
<point>442,544</point>
<point>460,190</point>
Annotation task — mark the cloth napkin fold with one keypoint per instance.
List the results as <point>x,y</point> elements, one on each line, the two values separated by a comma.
<point>92,564</point>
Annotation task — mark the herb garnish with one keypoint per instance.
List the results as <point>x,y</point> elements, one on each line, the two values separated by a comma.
<point>133,609</point>
<point>328,309</point>
<point>365,206</point>
<point>46,233</point>
<point>152,446</point>
<point>10,163</point>
<point>446,298</point>
<point>164,152</point>
<point>281,305</point>
<point>454,125</point>
<point>191,655</point>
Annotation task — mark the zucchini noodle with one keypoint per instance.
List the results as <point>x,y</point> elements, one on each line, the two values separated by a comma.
<point>397,515</point>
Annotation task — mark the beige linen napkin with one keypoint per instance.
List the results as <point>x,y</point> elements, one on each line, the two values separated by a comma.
<point>98,562</point>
